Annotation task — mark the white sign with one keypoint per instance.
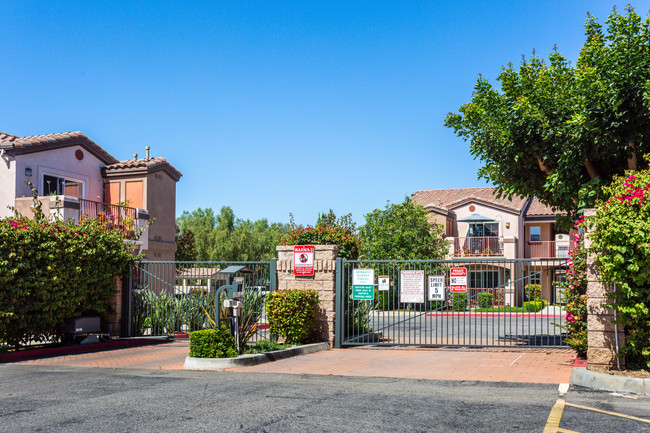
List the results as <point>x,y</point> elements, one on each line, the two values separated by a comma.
<point>383,283</point>
<point>411,287</point>
<point>436,287</point>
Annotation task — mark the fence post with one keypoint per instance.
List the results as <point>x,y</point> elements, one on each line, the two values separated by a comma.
<point>338,297</point>
<point>273,274</point>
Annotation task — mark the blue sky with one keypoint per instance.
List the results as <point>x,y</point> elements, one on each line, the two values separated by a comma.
<point>274,107</point>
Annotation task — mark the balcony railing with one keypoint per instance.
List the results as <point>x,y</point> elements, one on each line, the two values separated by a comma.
<point>548,249</point>
<point>479,246</point>
<point>115,216</point>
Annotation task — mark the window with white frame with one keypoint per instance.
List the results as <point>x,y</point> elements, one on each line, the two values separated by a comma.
<point>535,233</point>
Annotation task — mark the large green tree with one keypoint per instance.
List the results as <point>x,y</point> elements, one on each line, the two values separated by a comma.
<point>225,237</point>
<point>401,232</point>
<point>558,131</point>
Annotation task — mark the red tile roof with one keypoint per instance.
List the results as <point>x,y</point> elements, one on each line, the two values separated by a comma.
<point>137,165</point>
<point>537,208</point>
<point>447,199</point>
<point>37,143</point>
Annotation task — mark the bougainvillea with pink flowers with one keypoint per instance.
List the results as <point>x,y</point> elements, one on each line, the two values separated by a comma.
<point>621,241</point>
<point>575,292</point>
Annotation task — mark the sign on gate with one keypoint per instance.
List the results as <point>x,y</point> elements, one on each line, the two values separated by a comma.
<point>411,287</point>
<point>458,280</point>
<point>303,260</point>
<point>436,287</point>
<point>363,284</point>
<point>383,283</point>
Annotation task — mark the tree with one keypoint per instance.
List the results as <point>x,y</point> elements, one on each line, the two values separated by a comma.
<point>401,232</point>
<point>225,237</point>
<point>185,249</point>
<point>559,132</point>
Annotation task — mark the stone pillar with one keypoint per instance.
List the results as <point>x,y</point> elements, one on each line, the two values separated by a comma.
<point>114,321</point>
<point>323,282</point>
<point>601,332</point>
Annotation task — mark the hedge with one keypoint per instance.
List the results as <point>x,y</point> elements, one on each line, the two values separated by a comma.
<point>292,314</point>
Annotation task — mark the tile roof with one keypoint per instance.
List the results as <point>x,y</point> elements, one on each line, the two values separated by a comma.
<point>149,165</point>
<point>37,143</point>
<point>447,199</point>
<point>537,208</point>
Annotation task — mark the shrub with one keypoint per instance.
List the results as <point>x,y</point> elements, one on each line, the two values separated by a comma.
<point>212,343</point>
<point>533,306</point>
<point>621,239</point>
<point>52,271</point>
<point>533,292</point>
<point>485,300</point>
<point>328,231</point>
<point>292,314</point>
<point>460,302</point>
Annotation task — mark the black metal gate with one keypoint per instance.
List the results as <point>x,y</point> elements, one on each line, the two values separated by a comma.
<point>499,302</point>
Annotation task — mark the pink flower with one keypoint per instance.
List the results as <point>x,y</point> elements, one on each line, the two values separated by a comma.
<point>570,317</point>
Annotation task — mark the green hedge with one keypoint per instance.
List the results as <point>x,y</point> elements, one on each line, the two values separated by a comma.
<point>292,314</point>
<point>54,271</point>
<point>212,343</point>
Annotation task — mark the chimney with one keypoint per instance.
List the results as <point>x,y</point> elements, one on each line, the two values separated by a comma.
<point>135,156</point>
<point>147,149</point>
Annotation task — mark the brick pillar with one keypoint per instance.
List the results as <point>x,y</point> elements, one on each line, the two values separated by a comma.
<point>114,321</point>
<point>601,332</point>
<point>323,282</point>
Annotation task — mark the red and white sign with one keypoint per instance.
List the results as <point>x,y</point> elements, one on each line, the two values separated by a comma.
<point>458,280</point>
<point>303,260</point>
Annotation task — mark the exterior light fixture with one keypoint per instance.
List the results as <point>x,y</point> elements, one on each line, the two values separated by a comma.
<point>507,225</point>
<point>28,171</point>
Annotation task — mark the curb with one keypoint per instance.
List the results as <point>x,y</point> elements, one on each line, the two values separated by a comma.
<point>607,382</point>
<point>47,352</point>
<point>249,360</point>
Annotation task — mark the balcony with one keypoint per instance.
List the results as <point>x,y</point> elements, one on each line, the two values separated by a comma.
<point>121,218</point>
<point>478,246</point>
<point>548,249</point>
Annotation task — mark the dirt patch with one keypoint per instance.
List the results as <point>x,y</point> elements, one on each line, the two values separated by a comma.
<point>643,374</point>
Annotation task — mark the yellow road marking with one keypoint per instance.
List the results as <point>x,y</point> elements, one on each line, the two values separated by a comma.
<point>553,421</point>
<point>563,430</point>
<point>622,415</point>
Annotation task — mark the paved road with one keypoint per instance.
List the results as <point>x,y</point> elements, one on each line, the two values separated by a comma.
<point>51,399</point>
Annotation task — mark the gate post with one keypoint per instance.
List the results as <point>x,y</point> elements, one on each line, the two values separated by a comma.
<point>338,318</point>
<point>323,282</point>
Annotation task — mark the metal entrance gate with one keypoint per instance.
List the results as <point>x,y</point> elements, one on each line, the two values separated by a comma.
<point>507,302</point>
<point>175,298</point>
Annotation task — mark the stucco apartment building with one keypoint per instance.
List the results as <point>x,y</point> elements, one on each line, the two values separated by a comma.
<point>75,177</point>
<point>478,224</point>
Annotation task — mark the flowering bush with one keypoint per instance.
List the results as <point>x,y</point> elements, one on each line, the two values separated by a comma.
<point>574,290</point>
<point>51,271</point>
<point>621,239</point>
<point>328,231</point>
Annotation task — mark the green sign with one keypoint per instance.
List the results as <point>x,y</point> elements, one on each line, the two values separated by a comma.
<point>363,284</point>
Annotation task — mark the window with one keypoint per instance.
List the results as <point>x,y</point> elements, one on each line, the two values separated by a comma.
<point>483,229</point>
<point>55,185</point>
<point>535,234</point>
<point>484,279</point>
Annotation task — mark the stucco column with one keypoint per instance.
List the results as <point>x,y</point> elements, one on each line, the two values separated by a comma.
<point>323,282</point>
<point>601,332</point>
<point>65,207</point>
<point>114,321</point>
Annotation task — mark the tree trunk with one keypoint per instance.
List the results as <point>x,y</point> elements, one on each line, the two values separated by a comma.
<point>542,165</point>
<point>590,169</point>
<point>631,160</point>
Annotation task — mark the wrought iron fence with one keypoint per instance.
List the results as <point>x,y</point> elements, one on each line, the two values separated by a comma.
<point>175,298</point>
<point>506,302</point>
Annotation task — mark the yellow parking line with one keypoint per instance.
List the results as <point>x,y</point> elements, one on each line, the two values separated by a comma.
<point>553,421</point>
<point>563,430</point>
<point>622,415</point>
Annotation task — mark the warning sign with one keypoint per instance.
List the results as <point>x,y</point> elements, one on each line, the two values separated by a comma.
<point>303,260</point>
<point>458,280</point>
<point>411,287</point>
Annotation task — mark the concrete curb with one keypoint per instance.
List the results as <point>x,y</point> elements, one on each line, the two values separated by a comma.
<point>248,360</point>
<point>608,382</point>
